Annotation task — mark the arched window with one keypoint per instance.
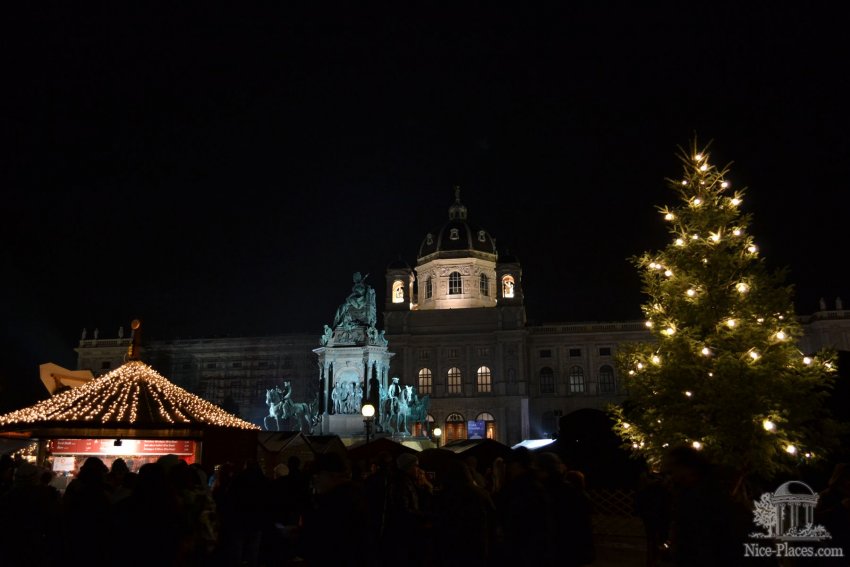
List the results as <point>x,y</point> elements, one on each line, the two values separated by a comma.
<point>490,424</point>
<point>576,380</point>
<point>606,380</point>
<point>453,382</point>
<point>484,382</point>
<point>455,427</point>
<point>429,288</point>
<point>425,383</point>
<point>454,234</point>
<point>398,291</point>
<point>455,284</point>
<point>547,380</point>
<point>484,285</point>
<point>507,286</point>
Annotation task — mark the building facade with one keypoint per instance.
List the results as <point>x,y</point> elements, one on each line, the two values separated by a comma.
<point>456,323</point>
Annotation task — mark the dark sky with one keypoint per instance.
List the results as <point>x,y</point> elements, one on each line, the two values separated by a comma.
<point>223,171</point>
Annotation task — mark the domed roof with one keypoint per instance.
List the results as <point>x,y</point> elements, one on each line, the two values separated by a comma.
<point>457,235</point>
<point>795,488</point>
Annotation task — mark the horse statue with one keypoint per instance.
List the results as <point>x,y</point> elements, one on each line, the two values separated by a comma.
<point>419,411</point>
<point>274,399</point>
<point>304,414</point>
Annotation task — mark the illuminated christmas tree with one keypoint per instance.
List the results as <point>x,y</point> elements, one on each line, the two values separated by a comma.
<point>724,374</point>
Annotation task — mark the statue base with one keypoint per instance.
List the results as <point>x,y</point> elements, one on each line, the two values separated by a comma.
<point>346,425</point>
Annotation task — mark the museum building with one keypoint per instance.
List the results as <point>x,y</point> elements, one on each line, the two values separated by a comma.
<point>456,329</point>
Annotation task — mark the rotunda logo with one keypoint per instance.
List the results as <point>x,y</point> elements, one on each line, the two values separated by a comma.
<point>788,514</point>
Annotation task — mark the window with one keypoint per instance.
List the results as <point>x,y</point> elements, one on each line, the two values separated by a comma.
<point>576,380</point>
<point>484,285</point>
<point>236,365</point>
<point>547,380</point>
<point>425,383</point>
<point>546,353</point>
<point>398,291</point>
<point>455,284</point>
<point>455,427</point>
<point>482,236</point>
<point>606,380</point>
<point>452,353</point>
<point>424,355</point>
<point>484,351</point>
<point>105,365</point>
<point>485,380</point>
<point>489,423</point>
<point>605,351</point>
<point>574,352</point>
<point>454,384</point>
<point>429,239</point>
<point>453,234</point>
<point>507,286</point>
<point>429,289</point>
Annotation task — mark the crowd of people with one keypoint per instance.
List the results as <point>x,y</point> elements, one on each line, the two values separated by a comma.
<point>387,511</point>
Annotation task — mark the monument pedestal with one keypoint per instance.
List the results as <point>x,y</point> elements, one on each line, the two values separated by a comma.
<point>346,425</point>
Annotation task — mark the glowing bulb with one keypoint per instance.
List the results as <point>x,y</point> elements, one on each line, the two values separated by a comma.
<point>680,242</point>
<point>652,265</point>
<point>737,232</point>
<point>648,324</point>
<point>768,425</point>
<point>742,287</point>
<point>754,355</point>
<point>634,445</point>
<point>698,157</point>
<point>735,201</point>
<point>668,273</point>
<point>705,351</point>
<point>689,393</point>
<point>684,181</point>
<point>752,248</point>
<point>710,374</point>
<point>631,372</point>
<point>697,201</point>
<point>731,323</point>
<point>715,237</point>
<point>791,449</point>
<point>669,216</point>
<point>670,331</point>
<point>695,237</point>
<point>703,167</point>
<point>626,425</point>
<point>655,359</point>
<point>808,455</point>
<point>691,292</point>
<point>724,184</point>
<point>640,365</point>
<point>807,360</point>
<point>781,335</point>
<point>696,445</point>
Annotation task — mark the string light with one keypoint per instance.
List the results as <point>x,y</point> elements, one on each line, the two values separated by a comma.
<point>648,324</point>
<point>115,399</point>
<point>640,365</point>
<point>684,181</point>
<point>731,323</point>
<point>735,201</point>
<point>737,232</point>
<point>706,351</point>
<point>742,287</point>
<point>715,237</point>
<point>698,157</point>
<point>791,449</point>
<point>703,167</point>
<point>668,273</point>
<point>768,425</point>
<point>696,445</point>
<point>688,393</point>
<point>752,248</point>
<point>691,292</point>
<point>807,360</point>
<point>695,237</point>
<point>669,216</point>
<point>626,425</point>
<point>680,242</point>
<point>697,201</point>
<point>670,331</point>
<point>656,359</point>
<point>724,184</point>
<point>631,372</point>
<point>781,335</point>
<point>754,355</point>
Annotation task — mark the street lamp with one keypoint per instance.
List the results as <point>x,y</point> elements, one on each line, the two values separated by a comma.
<point>437,432</point>
<point>368,412</point>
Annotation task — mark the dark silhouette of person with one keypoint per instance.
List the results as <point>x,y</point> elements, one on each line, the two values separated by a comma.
<point>708,526</point>
<point>86,510</point>
<point>652,505</point>
<point>570,541</point>
<point>120,480</point>
<point>245,513</point>
<point>833,508</point>
<point>376,489</point>
<point>29,519</point>
<point>408,511</point>
<point>335,529</point>
<point>464,519</point>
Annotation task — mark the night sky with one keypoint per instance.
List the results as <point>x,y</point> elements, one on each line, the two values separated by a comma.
<point>224,171</point>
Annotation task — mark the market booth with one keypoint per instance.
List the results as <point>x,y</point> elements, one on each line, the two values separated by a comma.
<point>133,413</point>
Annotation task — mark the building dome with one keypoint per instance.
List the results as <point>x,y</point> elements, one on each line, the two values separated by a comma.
<point>457,235</point>
<point>795,488</point>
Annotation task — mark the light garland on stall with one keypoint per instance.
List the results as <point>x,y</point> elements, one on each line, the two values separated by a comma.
<point>115,399</point>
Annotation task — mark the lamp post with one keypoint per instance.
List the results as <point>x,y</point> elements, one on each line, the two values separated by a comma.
<point>368,412</point>
<point>437,432</point>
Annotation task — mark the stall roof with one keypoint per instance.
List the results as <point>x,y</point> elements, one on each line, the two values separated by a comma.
<point>133,396</point>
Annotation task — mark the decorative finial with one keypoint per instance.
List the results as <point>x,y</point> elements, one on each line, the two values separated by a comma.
<point>457,211</point>
<point>457,194</point>
<point>133,351</point>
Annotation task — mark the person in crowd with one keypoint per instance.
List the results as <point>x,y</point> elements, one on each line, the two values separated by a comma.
<point>335,532</point>
<point>376,488</point>
<point>244,510</point>
<point>29,519</point>
<point>464,517</point>
<point>120,480</point>
<point>477,477</point>
<point>86,510</point>
<point>408,511</point>
<point>833,508</point>
<point>708,525</point>
<point>570,541</point>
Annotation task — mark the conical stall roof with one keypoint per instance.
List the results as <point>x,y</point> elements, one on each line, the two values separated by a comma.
<point>133,396</point>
